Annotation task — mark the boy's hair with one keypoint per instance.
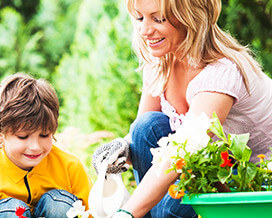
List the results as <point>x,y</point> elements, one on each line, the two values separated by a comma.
<point>27,104</point>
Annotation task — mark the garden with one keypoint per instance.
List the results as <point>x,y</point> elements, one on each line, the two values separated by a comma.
<point>83,47</point>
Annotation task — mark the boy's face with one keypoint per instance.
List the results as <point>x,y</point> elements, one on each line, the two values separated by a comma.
<point>25,149</point>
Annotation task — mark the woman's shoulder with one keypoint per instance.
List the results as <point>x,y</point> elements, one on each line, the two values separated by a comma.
<point>220,66</point>
<point>220,76</point>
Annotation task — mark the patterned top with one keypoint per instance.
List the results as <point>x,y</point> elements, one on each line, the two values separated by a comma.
<point>250,113</point>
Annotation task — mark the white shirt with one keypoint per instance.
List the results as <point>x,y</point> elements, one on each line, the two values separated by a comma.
<point>249,113</point>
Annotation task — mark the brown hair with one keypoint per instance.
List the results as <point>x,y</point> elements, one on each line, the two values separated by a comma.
<point>27,104</point>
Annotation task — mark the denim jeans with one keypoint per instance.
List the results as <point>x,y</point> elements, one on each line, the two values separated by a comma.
<point>145,131</point>
<point>54,203</point>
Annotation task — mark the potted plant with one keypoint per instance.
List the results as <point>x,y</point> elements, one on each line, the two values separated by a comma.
<point>217,177</point>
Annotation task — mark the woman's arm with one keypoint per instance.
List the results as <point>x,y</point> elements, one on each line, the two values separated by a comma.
<point>152,189</point>
<point>210,102</point>
<point>148,102</point>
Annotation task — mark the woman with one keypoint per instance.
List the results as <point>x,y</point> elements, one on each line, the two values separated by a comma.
<point>189,65</point>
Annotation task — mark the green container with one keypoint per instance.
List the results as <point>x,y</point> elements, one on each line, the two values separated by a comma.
<point>232,204</point>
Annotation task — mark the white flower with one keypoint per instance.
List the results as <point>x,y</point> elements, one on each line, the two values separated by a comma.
<point>162,155</point>
<point>163,142</point>
<point>269,166</point>
<point>77,210</point>
<point>194,131</point>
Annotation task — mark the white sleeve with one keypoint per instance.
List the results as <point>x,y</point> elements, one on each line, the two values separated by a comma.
<point>222,77</point>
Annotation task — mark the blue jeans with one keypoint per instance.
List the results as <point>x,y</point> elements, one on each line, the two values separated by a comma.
<point>145,131</point>
<point>54,203</point>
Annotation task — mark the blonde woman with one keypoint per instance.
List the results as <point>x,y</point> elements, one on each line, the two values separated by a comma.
<point>189,65</point>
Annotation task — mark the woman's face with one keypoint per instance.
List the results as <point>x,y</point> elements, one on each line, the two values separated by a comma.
<point>160,36</point>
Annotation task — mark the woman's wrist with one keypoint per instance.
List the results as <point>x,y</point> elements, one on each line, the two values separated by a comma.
<point>128,138</point>
<point>121,213</point>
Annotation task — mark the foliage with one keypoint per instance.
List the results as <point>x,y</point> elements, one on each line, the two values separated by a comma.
<point>251,23</point>
<point>107,86</point>
<point>27,8</point>
<point>18,45</point>
<point>56,20</point>
<point>86,46</point>
<point>209,168</point>
<point>34,44</point>
<point>83,47</point>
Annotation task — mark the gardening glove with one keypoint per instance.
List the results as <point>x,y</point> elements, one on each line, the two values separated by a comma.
<point>115,153</point>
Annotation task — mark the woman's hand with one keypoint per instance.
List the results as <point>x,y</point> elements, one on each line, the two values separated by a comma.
<point>115,153</point>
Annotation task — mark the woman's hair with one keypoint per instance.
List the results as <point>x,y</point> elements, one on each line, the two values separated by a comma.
<point>27,104</point>
<point>204,43</point>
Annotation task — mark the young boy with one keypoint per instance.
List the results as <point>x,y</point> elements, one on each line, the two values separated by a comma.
<point>34,173</point>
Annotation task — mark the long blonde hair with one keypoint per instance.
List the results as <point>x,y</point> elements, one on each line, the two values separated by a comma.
<point>205,42</point>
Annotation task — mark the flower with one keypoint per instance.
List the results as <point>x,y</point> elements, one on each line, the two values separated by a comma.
<point>78,210</point>
<point>175,193</point>
<point>205,165</point>
<point>179,164</point>
<point>261,156</point>
<point>269,166</point>
<point>20,211</point>
<point>225,158</point>
<point>162,154</point>
<point>193,132</point>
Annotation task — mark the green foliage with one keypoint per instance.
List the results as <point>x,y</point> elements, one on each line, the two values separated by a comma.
<point>27,8</point>
<point>209,169</point>
<point>239,147</point>
<point>107,86</point>
<point>35,45</point>
<point>83,47</point>
<point>57,21</point>
<point>251,23</point>
<point>18,45</point>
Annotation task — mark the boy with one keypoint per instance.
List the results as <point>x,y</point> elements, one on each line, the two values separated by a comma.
<point>34,173</point>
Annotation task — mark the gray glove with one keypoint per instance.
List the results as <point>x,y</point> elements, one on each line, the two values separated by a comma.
<point>115,153</point>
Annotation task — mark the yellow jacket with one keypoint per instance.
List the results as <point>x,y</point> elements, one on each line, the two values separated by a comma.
<point>58,170</point>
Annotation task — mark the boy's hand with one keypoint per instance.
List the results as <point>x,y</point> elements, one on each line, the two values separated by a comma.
<point>115,153</point>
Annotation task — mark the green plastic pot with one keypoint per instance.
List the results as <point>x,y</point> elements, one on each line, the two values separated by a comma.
<point>232,204</point>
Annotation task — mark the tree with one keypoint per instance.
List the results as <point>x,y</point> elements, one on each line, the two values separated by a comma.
<point>105,94</point>
<point>251,23</point>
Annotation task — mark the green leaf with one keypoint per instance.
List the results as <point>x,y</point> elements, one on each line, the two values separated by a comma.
<point>246,154</point>
<point>235,178</point>
<point>223,175</point>
<point>251,171</point>
<point>238,145</point>
<point>203,160</point>
<point>217,128</point>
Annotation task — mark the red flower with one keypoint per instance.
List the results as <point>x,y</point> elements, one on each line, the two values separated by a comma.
<point>225,158</point>
<point>20,211</point>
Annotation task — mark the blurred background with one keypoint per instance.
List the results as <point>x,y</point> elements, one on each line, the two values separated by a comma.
<point>83,47</point>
